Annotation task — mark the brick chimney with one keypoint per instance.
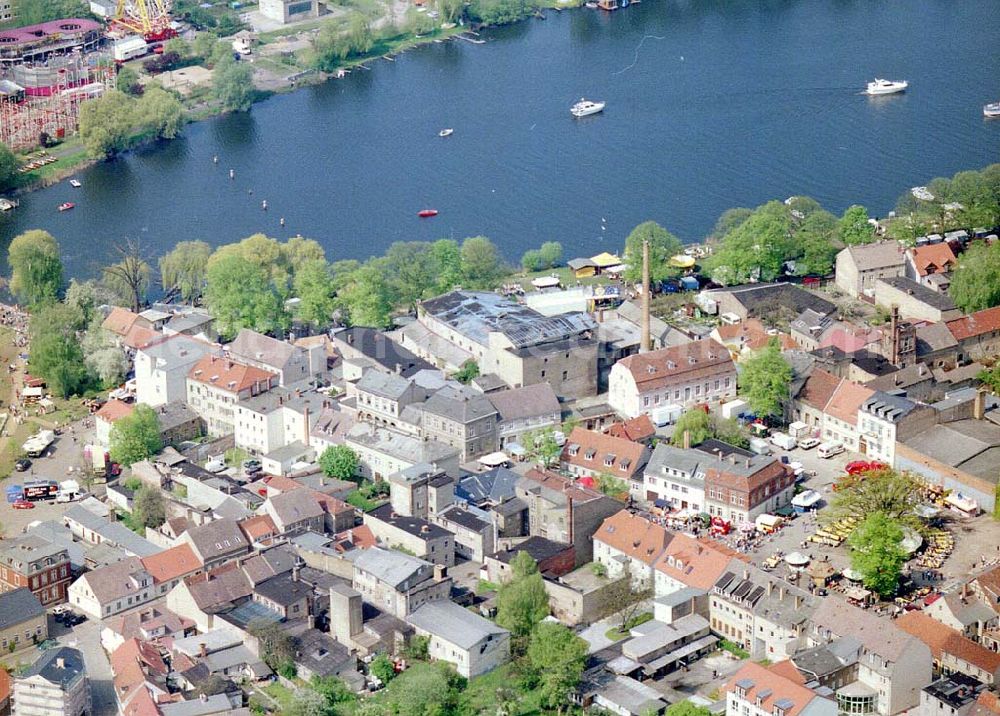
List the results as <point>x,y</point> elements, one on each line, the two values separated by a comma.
<point>979,405</point>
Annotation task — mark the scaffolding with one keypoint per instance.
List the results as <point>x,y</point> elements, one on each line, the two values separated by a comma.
<point>56,112</point>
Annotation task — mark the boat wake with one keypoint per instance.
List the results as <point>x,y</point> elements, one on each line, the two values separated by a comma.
<point>635,61</point>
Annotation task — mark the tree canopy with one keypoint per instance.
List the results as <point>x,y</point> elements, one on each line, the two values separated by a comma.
<point>340,462</point>
<point>877,553</point>
<point>890,492</point>
<point>56,353</point>
<point>232,84</point>
<point>853,227</point>
<point>136,436</point>
<point>687,708</point>
<point>522,602</point>
<point>239,295</point>
<point>314,289</point>
<point>557,656</point>
<point>8,168</point>
<point>662,246</point>
<point>765,380</point>
<point>36,268</point>
<point>757,248</point>
<point>482,265</point>
<point>148,508</point>
<point>975,282</point>
<point>183,269</point>
<point>696,423</point>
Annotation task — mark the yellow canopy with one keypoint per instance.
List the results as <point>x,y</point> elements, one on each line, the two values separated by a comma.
<point>682,261</point>
<point>605,259</point>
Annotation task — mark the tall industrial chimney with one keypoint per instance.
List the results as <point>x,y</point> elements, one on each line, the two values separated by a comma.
<point>644,345</point>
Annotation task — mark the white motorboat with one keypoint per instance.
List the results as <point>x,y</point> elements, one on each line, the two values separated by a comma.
<point>446,132</point>
<point>585,108</point>
<point>75,184</point>
<point>880,87</point>
<point>991,110</point>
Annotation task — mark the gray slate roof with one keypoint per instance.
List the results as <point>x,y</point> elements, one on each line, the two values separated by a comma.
<point>891,408</point>
<point>404,447</point>
<point>294,506</point>
<point>259,348</point>
<point>217,538</point>
<point>940,301</point>
<point>390,566</point>
<point>531,401</point>
<point>48,666</point>
<point>386,385</point>
<point>691,462</point>
<point>462,405</point>
<point>454,624</point>
<point>495,485</point>
<point>883,254</point>
<point>18,606</point>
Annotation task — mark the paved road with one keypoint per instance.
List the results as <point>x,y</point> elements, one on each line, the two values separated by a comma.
<point>87,638</point>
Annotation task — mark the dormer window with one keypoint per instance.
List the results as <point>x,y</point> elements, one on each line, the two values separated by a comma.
<point>609,460</point>
<point>589,455</point>
<point>572,450</point>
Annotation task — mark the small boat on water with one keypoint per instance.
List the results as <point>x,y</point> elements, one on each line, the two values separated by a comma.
<point>66,206</point>
<point>446,132</point>
<point>991,110</point>
<point>585,108</point>
<point>427,213</point>
<point>75,184</point>
<point>881,87</point>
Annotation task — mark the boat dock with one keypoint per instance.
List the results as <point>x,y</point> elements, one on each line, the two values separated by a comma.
<point>474,40</point>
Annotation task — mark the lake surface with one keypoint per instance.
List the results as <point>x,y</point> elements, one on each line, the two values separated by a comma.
<point>711,104</point>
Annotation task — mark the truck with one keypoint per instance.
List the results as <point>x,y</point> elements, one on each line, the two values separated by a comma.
<point>129,48</point>
<point>783,441</point>
<point>100,462</point>
<point>734,409</point>
<point>760,446</point>
<point>38,443</point>
<point>40,490</point>
<point>69,491</point>
<point>665,415</point>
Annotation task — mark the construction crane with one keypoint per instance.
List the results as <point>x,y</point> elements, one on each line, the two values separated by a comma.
<point>149,18</point>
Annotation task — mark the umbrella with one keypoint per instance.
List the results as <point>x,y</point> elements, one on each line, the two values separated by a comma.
<point>853,575</point>
<point>797,559</point>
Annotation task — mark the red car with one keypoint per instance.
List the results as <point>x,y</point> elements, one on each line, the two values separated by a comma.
<point>23,505</point>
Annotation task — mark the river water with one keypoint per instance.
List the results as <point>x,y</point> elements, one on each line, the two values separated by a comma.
<point>711,104</point>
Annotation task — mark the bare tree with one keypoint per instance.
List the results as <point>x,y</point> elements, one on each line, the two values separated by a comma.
<point>625,598</point>
<point>130,275</point>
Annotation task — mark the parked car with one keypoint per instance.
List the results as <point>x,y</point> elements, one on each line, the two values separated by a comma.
<point>23,505</point>
<point>22,464</point>
<point>808,443</point>
<point>252,467</point>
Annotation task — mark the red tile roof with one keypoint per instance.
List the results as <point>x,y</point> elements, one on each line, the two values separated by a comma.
<point>565,485</point>
<point>120,320</point>
<point>696,563</point>
<point>636,429</point>
<point>686,362</point>
<point>987,703</point>
<point>634,536</point>
<point>975,324</point>
<point>131,663</point>
<point>593,451</point>
<point>818,389</point>
<point>228,375</point>
<point>142,337</point>
<point>360,537</point>
<point>5,685</point>
<point>942,639</point>
<point>115,410</point>
<point>933,258</point>
<point>259,527</point>
<point>788,670</point>
<point>846,400</point>
<point>172,563</point>
<point>771,687</point>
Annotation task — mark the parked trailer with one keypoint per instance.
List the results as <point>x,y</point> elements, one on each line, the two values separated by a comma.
<point>40,490</point>
<point>39,443</point>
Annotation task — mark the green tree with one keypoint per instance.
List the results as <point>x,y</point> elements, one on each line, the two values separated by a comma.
<point>551,253</point>
<point>184,268</point>
<point>86,297</point>
<point>451,10</point>
<point>522,602</point>
<point>558,657</point>
<point>232,84</point>
<point>468,371</point>
<point>482,266</point>
<point>148,509</point>
<point>815,239</point>
<point>382,668</point>
<point>975,282</point>
<point>765,380</point>
<point>203,44</point>
<point>299,251</point>
<point>306,702</point>
<point>276,646</point>
<point>127,81</point>
<point>612,486</point>
<point>542,446</point>
<point>411,266</point>
<point>368,296</point>
<point>128,281</point>
<point>687,708</point>
<point>446,259</point>
<point>877,553</point>
<point>33,12</point>
<point>36,269</point>
<point>890,492</point>
<point>728,221</point>
<point>531,260</point>
<point>103,356</point>
<point>56,354</point>
<point>136,437</point>
<point>854,228</point>
<point>8,168</point>
<point>990,377</point>
<point>697,423</point>
<point>239,295</point>
<point>339,461</point>
<point>755,249</point>
<point>314,290</point>
<point>106,123</point>
<point>159,113</point>
<point>334,691</point>
<point>662,247</point>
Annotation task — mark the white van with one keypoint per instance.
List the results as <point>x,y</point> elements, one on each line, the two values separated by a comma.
<point>828,450</point>
<point>759,446</point>
<point>783,441</point>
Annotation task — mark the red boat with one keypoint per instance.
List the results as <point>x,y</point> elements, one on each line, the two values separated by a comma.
<point>427,213</point>
<point>67,206</point>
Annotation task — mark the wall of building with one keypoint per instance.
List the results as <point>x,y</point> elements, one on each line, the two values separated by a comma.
<point>30,631</point>
<point>979,489</point>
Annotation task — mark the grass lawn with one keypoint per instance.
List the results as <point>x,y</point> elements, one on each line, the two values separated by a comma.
<point>485,586</point>
<point>616,634</point>
<point>279,693</point>
<point>363,503</point>
<point>734,649</point>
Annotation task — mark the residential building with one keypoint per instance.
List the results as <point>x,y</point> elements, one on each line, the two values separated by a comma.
<point>639,429</point>
<point>951,695</point>
<point>113,588</point>
<point>295,512</point>
<point>364,348</point>
<point>414,534</point>
<point>320,655</point>
<point>628,544</point>
<point>202,598</point>
<point>755,690</point>
<point>859,267</point>
<point>978,334</point>
<point>55,685</point>
<point>915,301</point>
<point>952,651</point>
<point>554,559</point>
<point>892,666</point>
<point>829,406</point>
<point>215,386</point>
<point>110,413</point>
<point>380,398</point>
<point>421,491</point>
<point>530,408</point>
<point>746,337</point>
<point>195,322</point>
<point>561,510</point>
<point>592,454</point>
<point>139,670</point>
<point>269,421</point>
<point>473,530</point>
<point>23,620</point>
<point>398,583</point>
<point>762,300</point>
<point>462,418</point>
<point>765,615</point>
<point>931,264</point>
<point>161,369</point>
<point>936,346</point>
<point>674,478</point>
<point>36,563</point>
<point>292,364</point>
<point>286,595</point>
<point>508,339</point>
<point>382,452</point>
<point>286,11</point>
<point>217,542</point>
<point>672,378</point>
<point>472,644</point>
<point>738,490</point>
<point>691,563</point>
<point>884,419</point>
<point>169,567</point>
